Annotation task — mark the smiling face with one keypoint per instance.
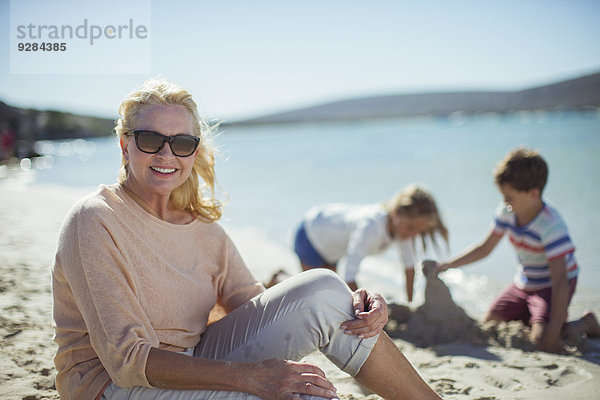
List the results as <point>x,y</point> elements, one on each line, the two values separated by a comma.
<point>152,175</point>
<point>525,204</point>
<point>405,227</point>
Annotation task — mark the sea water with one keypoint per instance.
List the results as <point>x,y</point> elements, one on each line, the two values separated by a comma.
<point>271,174</point>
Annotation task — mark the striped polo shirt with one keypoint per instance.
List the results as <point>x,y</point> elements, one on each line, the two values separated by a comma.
<point>544,238</point>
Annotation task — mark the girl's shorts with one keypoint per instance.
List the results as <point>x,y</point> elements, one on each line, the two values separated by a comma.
<point>305,251</point>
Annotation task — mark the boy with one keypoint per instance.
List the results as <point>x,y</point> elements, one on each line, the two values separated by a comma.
<point>547,275</point>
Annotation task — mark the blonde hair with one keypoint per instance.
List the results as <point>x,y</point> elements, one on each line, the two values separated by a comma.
<point>414,201</point>
<point>199,199</point>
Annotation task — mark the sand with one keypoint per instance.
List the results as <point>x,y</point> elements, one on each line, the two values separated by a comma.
<point>458,357</point>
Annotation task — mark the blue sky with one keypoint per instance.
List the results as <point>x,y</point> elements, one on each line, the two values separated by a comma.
<point>242,58</point>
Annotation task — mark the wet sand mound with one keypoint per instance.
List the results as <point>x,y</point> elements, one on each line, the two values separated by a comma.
<point>440,320</point>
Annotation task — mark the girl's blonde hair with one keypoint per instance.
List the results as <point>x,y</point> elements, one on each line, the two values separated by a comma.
<point>192,196</point>
<point>414,201</point>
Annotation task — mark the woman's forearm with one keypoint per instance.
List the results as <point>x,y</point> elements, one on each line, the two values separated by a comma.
<point>268,379</point>
<point>171,370</point>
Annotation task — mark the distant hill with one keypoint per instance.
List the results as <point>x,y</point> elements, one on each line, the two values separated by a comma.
<point>49,124</point>
<point>27,126</point>
<point>578,94</point>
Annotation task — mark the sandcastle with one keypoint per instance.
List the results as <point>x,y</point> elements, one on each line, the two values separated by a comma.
<point>438,320</point>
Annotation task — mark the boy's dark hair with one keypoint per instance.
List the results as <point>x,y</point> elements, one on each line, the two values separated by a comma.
<point>523,169</point>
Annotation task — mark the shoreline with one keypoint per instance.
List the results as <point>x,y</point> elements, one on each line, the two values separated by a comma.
<point>31,215</point>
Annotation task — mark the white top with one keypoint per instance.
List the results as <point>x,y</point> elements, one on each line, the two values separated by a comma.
<point>347,233</point>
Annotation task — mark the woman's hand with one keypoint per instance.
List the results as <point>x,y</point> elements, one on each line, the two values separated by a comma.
<point>371,314</point>
<point>284,379</point>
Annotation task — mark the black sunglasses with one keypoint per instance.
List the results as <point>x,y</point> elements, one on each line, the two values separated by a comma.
<point>152,142</point>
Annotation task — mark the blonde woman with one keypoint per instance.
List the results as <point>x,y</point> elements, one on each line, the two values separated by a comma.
<point>141,263</point>
<point>340,236</point>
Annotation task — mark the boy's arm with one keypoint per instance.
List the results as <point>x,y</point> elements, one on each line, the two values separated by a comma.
<point>560,301</point>
<point>473,254</point>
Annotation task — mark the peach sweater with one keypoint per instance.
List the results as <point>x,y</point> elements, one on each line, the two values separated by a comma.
<point>125,281</point>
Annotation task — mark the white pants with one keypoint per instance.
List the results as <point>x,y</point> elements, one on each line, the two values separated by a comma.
<point>288,321</point>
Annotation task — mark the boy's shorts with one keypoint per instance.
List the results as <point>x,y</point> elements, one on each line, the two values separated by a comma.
<point>306,252</point>
<point>515,304</point>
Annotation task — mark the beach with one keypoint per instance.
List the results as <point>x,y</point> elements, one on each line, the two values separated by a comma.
<point>479,363</point>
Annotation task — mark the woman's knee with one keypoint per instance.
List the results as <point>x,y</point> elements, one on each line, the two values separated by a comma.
<point>326,293</point>
<point>322,284</point>
<point>318,289</point>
